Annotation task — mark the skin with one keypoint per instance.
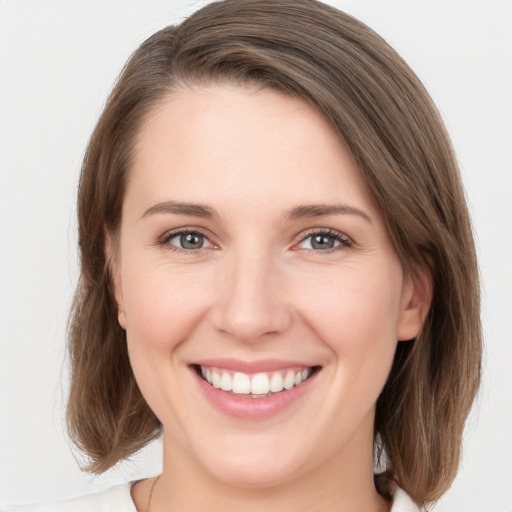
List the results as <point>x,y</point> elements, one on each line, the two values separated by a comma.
<point>258,289</point>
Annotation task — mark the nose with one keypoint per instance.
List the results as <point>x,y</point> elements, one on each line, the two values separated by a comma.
<point>251,302</point>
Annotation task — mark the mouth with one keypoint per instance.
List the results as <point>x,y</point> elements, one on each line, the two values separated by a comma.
<point>254,385</point>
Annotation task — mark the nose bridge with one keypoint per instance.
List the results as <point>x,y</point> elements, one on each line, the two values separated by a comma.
<point>250,302</point>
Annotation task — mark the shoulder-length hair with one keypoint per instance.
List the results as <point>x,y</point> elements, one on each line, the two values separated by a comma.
<point>387,120</point>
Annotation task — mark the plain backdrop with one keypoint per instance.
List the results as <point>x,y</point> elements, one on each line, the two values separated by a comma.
<point>58,61</point>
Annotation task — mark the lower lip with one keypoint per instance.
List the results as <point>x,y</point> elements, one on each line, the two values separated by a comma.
<point>245,407</point>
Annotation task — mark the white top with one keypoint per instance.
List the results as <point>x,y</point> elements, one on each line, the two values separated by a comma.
<point>119,499</point>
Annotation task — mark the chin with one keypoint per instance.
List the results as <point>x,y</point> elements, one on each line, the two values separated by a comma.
<point>265,463</point>
<point>252,474</point>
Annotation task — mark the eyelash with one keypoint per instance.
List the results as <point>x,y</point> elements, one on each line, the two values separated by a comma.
<point>167,237</point>
<point>344,241</point>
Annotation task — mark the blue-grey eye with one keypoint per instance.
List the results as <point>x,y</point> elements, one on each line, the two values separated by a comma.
<point>324,241</point>
<point>189,241</point>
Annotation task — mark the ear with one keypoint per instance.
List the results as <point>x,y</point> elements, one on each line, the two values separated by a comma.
<point>115,278</point>
<point>416,299</point>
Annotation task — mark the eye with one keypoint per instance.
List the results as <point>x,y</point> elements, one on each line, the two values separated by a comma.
<point>325,241</point>
<point>187,240</point>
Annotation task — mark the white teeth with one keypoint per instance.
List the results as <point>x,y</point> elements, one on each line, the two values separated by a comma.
<point>289,380</point>
<point>276,383</point>
<point>226,383</point>
<point>215,380</point>
<point>259,384</point>
<point>241,383</point>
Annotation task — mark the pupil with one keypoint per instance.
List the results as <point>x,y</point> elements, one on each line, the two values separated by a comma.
<point>322,242</point>
<point>191,241</point>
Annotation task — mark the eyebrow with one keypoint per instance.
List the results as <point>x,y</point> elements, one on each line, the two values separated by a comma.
<point>321,210</point>
<point>298,212</point>
<point>178,207</point>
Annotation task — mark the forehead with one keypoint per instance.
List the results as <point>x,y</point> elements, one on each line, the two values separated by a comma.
<point>208,143</point>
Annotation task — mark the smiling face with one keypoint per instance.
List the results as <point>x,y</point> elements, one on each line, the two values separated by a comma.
<point>260,293</point>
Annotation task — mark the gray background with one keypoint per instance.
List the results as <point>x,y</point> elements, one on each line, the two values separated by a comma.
<point>58,61</point>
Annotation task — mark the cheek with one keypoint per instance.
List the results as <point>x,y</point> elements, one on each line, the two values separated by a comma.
<point>354,301</point>
<point>163,307</point>
<point>161,304</point>
<point>355,313</point>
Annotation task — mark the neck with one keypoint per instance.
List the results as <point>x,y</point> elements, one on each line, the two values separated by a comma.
<point>342,483</point>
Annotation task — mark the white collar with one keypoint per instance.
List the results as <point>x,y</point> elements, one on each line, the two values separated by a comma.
<point>403,503</point>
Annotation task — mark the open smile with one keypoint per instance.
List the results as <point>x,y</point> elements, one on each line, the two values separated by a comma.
<point>257,385</point>
<point>251,394</point>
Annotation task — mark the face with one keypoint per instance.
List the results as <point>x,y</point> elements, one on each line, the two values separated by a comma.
<point>260,293</point>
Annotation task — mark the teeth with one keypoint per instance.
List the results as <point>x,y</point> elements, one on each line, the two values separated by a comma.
<point>258,384</point>
<point>226,383</point>
<point>215,380</point>
<point>241,384</point>
<point>289,380</point>
<point>276,383</point>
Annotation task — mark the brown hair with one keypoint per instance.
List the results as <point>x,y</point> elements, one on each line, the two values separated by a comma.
<point>389,123</point>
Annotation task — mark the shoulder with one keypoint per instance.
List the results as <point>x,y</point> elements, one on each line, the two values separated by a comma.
<point>115,499</point>
<point>118,499</point>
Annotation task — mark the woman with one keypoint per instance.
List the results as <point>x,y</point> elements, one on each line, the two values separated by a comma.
<point>278,271</point>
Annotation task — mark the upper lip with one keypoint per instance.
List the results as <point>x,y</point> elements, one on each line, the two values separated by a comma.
<point>263,365</point>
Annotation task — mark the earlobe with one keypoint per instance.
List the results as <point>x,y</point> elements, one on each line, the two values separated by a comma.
<point>121,318</point>
<point>416,300</point>
<point>115,280</point>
